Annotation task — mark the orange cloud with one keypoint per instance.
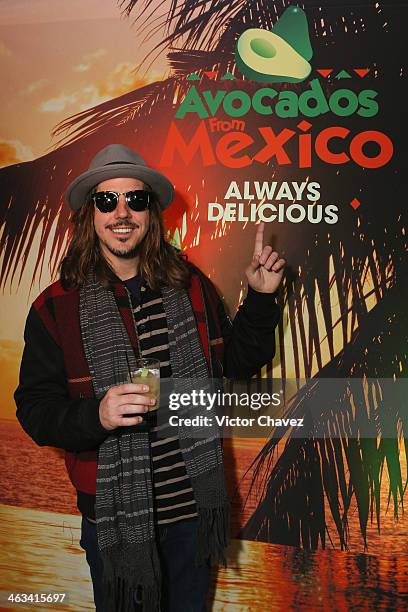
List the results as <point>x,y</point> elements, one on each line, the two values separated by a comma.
<point>13,152</point>
<point>35,86</point>
<point>89,59</point>
<point>58,104</point>
<point>120,80</point>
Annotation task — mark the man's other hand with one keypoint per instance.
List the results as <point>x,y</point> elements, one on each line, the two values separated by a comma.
<point>265,271</point>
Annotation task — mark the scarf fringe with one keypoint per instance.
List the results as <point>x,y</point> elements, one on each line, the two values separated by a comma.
<point>121,582</point>
<point>213,535</point>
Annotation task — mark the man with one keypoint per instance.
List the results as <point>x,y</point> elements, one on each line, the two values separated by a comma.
<point>155,509</point>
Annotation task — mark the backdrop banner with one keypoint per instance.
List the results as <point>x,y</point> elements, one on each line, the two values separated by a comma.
<point>272,112</point>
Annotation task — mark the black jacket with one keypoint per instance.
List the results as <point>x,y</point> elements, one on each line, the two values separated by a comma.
<point>48,414</point>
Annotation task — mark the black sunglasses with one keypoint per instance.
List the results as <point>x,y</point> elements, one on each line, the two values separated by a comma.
<point>106,201</point>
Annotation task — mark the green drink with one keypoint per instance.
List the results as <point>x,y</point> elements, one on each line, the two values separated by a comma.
<point>148,373</point>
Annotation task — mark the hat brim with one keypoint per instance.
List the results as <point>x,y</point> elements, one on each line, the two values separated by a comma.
<point>78,190</point>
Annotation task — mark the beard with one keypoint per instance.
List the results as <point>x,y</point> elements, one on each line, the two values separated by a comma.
<point>125,253</point>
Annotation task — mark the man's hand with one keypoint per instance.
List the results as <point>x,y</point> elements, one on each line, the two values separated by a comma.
<point>122,400</point>
<point>265,271</point>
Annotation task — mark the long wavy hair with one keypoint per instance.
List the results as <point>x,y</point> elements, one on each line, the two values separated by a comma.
<point>160,264</point>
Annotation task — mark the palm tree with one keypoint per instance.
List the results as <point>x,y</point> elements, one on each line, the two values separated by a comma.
<point>353,410</point>
<point>344,288</point>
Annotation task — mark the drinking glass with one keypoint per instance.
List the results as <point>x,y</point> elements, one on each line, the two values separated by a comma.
<point>147,372</point>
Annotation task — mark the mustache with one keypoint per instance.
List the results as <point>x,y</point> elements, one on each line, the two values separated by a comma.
<point>122,224</point>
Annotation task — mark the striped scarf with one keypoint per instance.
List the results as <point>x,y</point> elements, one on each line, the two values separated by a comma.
<point>124,490</point>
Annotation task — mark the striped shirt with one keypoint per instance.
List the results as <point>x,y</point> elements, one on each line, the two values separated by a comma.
<point>173,494</point>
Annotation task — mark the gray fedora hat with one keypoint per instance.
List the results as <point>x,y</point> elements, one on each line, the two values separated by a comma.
<point>118,161</point>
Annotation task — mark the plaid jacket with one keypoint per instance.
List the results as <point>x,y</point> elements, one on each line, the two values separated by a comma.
<point>55,401</point>
<point>59,312</point>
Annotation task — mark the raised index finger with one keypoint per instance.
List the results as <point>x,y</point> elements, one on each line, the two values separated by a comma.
<point>259,238</point>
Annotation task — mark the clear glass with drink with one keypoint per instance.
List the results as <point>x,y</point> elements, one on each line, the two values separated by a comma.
<point>147,372</point>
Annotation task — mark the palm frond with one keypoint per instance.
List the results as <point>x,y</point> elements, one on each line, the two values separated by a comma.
<point>210,25</point>
<point>21,217</point>
<point>106,116</point>
<point>353,439</point>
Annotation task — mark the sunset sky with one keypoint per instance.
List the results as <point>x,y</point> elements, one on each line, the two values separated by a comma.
<point>56,59</point>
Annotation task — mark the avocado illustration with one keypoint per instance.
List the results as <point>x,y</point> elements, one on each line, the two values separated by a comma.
<point>292,27</point>
<point>279,55</point>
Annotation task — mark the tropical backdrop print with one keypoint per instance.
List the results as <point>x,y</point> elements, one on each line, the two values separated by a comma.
<point>317,148</point>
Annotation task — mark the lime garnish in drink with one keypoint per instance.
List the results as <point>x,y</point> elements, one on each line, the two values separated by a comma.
<point>144,372</point>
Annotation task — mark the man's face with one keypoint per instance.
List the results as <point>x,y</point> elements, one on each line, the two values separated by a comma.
<point>121,231</point>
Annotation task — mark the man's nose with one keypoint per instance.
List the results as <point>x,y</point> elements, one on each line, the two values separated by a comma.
<point>122,210</point>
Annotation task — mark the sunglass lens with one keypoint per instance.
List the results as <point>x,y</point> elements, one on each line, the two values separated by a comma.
<point>105,201</point>
<point>138,200</point>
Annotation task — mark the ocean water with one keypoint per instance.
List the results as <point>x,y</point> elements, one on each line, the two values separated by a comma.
<point>39,553</point>
<point>35,477</point>
<point>39,550</point>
